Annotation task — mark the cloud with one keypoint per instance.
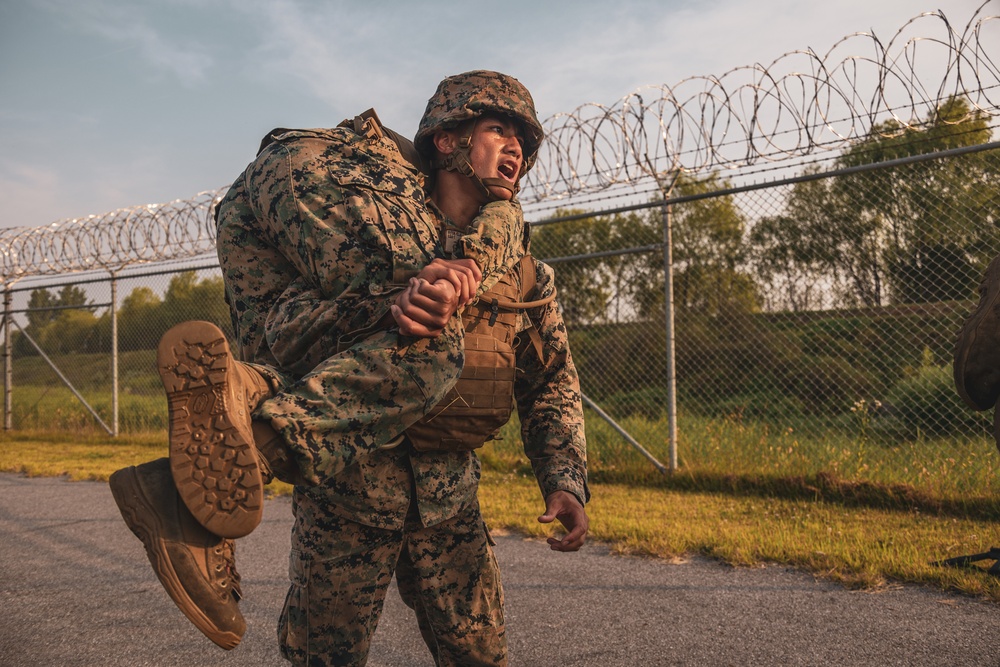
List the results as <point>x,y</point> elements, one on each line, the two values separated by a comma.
<point>39,191</point>
<point>26,189</point>
<point>130,27</point>
<point>341,54</point>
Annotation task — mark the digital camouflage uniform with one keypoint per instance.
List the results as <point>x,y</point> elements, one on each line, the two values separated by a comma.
<point>352,223</point>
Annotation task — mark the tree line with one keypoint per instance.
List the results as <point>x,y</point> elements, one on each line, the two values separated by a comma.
<point>801,311</point>
<point>919,233</point>
<point>916,234</point>
<point>66,322</point>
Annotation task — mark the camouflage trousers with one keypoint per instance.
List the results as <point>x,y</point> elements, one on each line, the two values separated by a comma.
<point>340,571</point>
<point>360,399</point>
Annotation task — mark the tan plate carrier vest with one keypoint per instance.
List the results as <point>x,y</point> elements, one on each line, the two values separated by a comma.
<point>482,400</point>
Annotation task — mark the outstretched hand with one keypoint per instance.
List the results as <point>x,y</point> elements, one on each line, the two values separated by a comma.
<point>564,506</point>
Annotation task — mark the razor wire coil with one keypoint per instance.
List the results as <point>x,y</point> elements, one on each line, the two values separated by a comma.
<point>802,104</point>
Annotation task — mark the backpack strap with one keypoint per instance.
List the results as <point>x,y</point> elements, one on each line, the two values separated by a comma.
<point>529,283</point>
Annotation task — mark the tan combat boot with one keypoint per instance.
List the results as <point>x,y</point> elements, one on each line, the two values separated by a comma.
<point>211,396</point>
<point>977,352</point>
<point>196,568</point>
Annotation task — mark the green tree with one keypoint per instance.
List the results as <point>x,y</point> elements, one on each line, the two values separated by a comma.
<point>582,293</point>
<point>813,247</point>
<point>72,296</point>
<point>39,303</point>
<point>928,211</point>
<point>605,288</point>
<point>59,324</point>
<point>143,316</point>
<point>907,234</point>
<point>188,298</point>
<point>140,322</point>
<point>634,277</point>
<point>709,254</point>
<point>74,330</point>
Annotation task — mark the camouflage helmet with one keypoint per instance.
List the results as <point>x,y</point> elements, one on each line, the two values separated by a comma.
<point>468,96</point>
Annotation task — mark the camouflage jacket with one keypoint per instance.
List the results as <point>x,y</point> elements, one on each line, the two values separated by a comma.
<point>283,318</point>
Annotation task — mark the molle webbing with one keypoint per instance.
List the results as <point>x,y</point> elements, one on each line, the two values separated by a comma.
<point>482,400</point>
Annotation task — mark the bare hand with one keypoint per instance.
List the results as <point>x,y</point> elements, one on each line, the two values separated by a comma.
<point>423,309</point>
<point>434,295</point>
<point>564,506</point>
<point>463,274</point>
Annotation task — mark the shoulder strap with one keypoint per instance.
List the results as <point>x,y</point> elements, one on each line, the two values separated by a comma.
<point>529,281</point>
<point>270,137</point>
<point>526,271</point>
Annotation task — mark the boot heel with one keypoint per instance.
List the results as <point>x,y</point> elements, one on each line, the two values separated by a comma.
<point>212,457</point>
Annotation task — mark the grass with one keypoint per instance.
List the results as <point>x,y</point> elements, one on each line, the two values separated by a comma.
<point>858,546</point>
<point>744,495</point>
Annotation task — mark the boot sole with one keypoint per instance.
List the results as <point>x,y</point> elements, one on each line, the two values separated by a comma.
<point>128,496</point>
<point>213,463</point>
<point>967,338</point>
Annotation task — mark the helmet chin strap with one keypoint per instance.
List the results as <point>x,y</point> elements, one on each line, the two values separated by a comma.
<point>459,161</point>
<point>499,183</point>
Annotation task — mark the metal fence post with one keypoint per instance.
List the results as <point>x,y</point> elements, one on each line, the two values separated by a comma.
<point>114,354</point>
<point>666,187</point>
<point>8,357</point>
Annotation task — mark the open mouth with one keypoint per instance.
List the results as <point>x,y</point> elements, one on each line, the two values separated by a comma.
<point>508,171</point>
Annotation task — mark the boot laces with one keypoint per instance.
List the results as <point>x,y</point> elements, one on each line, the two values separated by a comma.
<point>254,396</point>
<point>227,549</point>
<point>265,467</point>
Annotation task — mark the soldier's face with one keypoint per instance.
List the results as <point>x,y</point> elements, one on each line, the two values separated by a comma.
<point>496,151</point>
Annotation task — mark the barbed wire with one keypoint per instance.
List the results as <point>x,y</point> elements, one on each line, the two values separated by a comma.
<point>112,241</point>
<point>802,103</point>
<point>799,105</point>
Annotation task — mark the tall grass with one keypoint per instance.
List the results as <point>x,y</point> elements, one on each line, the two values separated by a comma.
<point>854,462</point>
<point>57,409</point>
<point>954,474</point>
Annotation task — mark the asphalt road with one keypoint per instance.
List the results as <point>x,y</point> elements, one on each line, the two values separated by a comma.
<point>77,591</point>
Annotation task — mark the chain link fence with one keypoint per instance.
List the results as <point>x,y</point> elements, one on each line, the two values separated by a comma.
<point>780,317</point>
<point>74,362</point>
<point>821,308</point>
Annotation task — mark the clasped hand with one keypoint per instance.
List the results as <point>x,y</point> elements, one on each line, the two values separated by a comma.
<point>434,295</point>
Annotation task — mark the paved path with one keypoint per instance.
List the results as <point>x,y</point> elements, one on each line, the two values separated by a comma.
<point>77,591</point>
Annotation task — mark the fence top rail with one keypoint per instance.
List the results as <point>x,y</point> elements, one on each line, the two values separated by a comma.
<point>110,275</point>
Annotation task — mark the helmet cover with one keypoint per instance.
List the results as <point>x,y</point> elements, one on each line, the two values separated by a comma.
<point>468,96</point>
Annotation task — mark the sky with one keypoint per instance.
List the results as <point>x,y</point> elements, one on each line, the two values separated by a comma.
<point>107,104</point>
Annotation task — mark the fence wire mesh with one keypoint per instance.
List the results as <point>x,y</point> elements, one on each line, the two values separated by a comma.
<point>63,340</point>
<point>817,306</point>
<point>816,313</point>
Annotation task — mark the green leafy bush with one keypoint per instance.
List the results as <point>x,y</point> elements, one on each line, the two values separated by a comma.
<point>926,403</point>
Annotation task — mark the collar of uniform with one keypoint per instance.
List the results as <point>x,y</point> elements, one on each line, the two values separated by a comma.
<point>448,231</point>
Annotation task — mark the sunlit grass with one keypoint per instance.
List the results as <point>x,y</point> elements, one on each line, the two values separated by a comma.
<point>860,547</point>
<point>866,514</point>
<point>735,454</point>
<point>56,409</point>
<point>77,454</point>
